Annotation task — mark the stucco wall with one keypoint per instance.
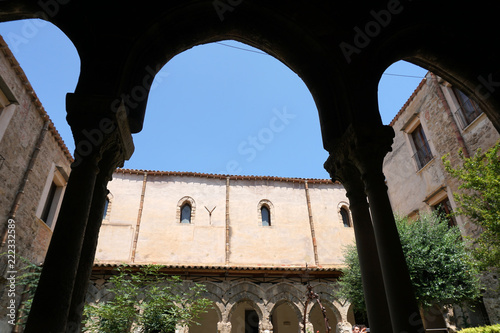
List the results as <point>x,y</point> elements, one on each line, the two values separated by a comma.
<point>163,239</point>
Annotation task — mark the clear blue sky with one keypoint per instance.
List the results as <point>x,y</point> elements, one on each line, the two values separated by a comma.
<point>213,108</point>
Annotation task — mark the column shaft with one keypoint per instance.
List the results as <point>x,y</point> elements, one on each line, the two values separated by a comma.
<point>52,299</point>
<point>88,250</point>
<point>371,273</point>
<point>405,316</point>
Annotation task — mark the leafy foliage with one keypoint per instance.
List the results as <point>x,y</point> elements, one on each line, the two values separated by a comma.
<point>439,266</point>
<point>148,300</point>
<point>350,285</point>
<point>482,329</point>
<point>29,280</point>
<point>479,199</point>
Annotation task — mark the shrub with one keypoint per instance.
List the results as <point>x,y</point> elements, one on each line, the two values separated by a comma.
<point>482,329</point>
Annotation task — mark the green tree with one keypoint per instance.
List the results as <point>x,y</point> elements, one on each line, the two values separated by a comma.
<point>440,269</point>
<point>28,280</point>
<point>148,300</point>
<point>479,199</point>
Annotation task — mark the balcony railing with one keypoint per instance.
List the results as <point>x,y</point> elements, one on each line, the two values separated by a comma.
<point>423,155</point>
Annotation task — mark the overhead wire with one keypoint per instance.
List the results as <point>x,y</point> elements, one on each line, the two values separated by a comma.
<point>260,52</point>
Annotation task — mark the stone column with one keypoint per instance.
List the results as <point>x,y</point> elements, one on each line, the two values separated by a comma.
<point>97,129</point>
<point>368,147</point>
<point>266,326</point>
<point>106,167</point>
<point>51,303</point>
<point>371,275</point>
<point>344,327</point>
<point>224,327</point>
<point>309,326</point>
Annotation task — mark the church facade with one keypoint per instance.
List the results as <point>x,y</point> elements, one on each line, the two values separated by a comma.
<point>255,242</point>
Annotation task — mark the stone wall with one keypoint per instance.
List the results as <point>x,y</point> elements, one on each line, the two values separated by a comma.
<point>26,173</point>
<point>411,189</point>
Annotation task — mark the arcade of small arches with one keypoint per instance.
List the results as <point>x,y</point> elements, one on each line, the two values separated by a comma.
<point>262,308</point>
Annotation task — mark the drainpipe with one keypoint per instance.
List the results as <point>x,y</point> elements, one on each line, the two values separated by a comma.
<point>456,131</point>
<point>311,223</point>
<point>227,221</point>
<point>27,173</point>
<point>139,217</point>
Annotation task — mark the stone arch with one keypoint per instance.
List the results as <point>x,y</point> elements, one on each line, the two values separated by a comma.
<point>285,292</point>
<point>327,299</point>
<point>240,288</point>
<point>155,52</point>
<point>242,302</point>
<point>292,305</point>
<point>213,294</point>
<point>315,316</point>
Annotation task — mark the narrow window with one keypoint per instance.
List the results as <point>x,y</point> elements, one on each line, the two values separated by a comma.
<point>266,216</point>
<point>186,213</point>
<point>48,204</point>
<point>51,196</point>
<point>423,153</point>
<point>345,217</point>
<point>106,205</point>
<point>469,110</point>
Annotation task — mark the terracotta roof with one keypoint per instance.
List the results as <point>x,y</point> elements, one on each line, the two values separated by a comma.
<point>34,99</point>
<point>113,265</point>
<point>223,176</point>
<point>410,99</point>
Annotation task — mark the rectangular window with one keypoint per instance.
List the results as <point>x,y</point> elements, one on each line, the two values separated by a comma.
<point>7,110</point>
<point>468,111</point>
<point>48,203</point>
<point>52,195</point>
<point>423,154</point>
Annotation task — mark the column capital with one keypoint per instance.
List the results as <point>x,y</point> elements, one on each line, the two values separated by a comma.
<point>99,125</point>
<point>362,145</point>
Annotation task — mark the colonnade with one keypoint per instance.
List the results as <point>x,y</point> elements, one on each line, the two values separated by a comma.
<point>103,142</point>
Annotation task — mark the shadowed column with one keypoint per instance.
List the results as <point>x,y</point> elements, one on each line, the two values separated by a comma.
<point>368,149</point>
<point>371,274</point>
<point>98,132</point>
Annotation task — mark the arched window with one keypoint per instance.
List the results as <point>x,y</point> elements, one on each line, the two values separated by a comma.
<point>266,216</point>
<point>106,206</point>
<point>345,217</point>
<point>186,213</point>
